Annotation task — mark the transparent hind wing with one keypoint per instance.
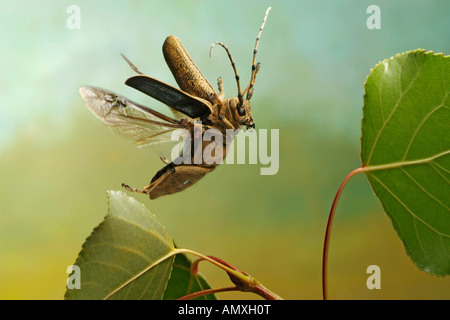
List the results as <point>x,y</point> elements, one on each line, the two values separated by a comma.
<point>177,115</point>
<point>141,125</point>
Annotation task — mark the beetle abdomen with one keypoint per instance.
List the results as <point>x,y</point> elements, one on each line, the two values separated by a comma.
<point>172,179</point>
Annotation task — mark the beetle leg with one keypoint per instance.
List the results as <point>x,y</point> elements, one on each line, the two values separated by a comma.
<point>127,187</point>
<point>164,159</point>
<point>147,189</point>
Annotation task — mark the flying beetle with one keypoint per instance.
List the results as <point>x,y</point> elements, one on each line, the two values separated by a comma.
<point>196,100</point>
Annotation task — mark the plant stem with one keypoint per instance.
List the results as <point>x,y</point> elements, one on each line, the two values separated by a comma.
<point>206,292</point>
<point>247,282</point>
<point>266,293</point>
<point>328,230</point>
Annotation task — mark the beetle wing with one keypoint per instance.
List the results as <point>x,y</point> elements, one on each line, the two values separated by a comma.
<point>183,102</point>
<point>177,114</point>
<point>141,125</point>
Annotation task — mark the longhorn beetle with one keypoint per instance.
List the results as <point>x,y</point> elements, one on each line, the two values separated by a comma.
<point>197,100</point>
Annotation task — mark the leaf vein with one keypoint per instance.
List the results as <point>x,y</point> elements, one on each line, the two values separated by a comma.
<point>424,190</point>
<point>169,265</point>
<point>421,124</point>
<point>442,168</point>
<point>94,284</point>
<point>152,233</point>
<point>114,266</point>
<point>407,208</point>
<point>122,248</point>
<point>418,239</point>
<point>393,110</point>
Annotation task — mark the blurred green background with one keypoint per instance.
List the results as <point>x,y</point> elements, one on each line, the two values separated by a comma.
<point>57,161</point>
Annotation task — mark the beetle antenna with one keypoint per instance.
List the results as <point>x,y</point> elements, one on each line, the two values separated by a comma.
<point>240,95</point>
<point>255,67</point>
<point>131,64</point>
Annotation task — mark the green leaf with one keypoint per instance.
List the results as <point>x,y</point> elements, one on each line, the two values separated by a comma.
<point>405,149</point>
<point>182,282</point>
<point>124,245</point>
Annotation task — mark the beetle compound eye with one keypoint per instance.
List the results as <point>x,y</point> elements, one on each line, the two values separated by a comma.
<point>241,111</point>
